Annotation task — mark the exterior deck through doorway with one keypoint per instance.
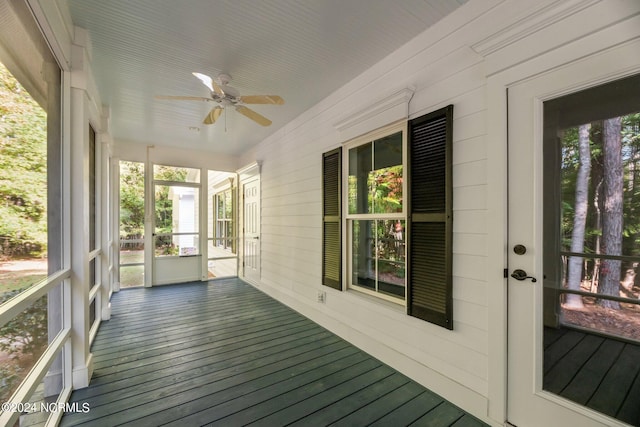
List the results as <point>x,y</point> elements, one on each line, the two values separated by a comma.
<point>224,353</point>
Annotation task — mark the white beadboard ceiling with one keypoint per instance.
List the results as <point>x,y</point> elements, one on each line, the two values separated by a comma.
<point>302,50</point>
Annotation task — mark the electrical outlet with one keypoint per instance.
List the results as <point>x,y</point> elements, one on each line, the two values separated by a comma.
<point>322,296</point>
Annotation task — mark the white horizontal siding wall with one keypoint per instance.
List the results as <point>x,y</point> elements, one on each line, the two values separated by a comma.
<point>466,365</point>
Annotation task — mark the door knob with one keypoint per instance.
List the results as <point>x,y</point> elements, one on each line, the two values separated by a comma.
<point>522,275</point>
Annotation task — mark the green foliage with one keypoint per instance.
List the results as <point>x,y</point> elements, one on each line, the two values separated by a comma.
<point>23,170</point>
<point>384,193</point>
<point>164,202</point>
<point>131,200</point>
<point>387,190</point>
<point>132,203</point>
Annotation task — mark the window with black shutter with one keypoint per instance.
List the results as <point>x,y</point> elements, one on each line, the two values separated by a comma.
<point>430,219</point>
<point>331,219</point>
<point>397,218</point>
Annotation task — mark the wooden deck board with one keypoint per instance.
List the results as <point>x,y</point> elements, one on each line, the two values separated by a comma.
<point>135,383</point>
<point>155,350</point>
<point>230,381</point>
<point>599,372</point>
<point>587,380</point>
<point>568,367</point>
<point>378,408</point>
<point>228,402</point>
<point>282,394</point>
<point>359,397</point>
<point>326,395</point>
<point>442,415</point>
<point>630,408</point>
<point>557,350</point>
<point>223,353</point>
<point>615,387</point>
<point>467,421</point>
<point>410,411</point>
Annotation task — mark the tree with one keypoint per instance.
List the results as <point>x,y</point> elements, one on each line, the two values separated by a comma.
<point>631,230</point>
<point>574,277</point>
<point>609,283</point>
<point>131,200</point>
<point>23,170</point>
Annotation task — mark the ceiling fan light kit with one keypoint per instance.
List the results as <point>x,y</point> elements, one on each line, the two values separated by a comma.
<point>226,96</point>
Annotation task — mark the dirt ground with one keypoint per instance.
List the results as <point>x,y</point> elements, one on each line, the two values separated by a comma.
<point>20,265</point>
<point>624,322</point>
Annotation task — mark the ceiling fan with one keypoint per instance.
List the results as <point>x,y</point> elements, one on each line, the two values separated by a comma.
<point>226,96</point>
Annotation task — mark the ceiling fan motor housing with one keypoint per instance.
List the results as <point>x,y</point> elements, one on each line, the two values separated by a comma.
<point>223,79</point>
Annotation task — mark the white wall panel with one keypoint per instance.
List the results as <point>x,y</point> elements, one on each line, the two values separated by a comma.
<point>473,172</point>
<point>471,290</point>
<point>469,150</point>
<point>470,244</point>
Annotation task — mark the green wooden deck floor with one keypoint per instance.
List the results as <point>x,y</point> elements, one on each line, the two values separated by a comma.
<point>224,353</point>
<point>595,371</point>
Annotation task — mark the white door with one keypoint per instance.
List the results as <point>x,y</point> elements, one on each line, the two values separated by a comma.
<point>530,403</point>
<point>251,227</point>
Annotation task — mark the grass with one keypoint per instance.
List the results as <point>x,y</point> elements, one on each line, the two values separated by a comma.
<point>12,280</point>
<point>131,276</point>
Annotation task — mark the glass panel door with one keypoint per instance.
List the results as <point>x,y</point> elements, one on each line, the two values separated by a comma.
<point>573,253</point>
<point>176,231</point>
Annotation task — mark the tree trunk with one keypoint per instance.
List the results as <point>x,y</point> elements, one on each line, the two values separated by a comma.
<point>595,188</point>
<point>612,216</point>
<point>595,276</point>
<point>574,277</point>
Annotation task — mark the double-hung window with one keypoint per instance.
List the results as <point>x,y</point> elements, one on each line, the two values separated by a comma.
<point>375,217</point>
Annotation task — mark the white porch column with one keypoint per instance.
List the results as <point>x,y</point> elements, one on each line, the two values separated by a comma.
<point>85,108</point>
<point>80,281</point>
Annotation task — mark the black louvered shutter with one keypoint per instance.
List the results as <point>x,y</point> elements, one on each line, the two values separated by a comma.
<point>331,227</point>
<point>430,219</point>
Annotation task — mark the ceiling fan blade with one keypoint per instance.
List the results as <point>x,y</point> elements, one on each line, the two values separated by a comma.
<point>262,99</point>
<point>213,115</point>
<point>248,112</point>
<point>183,98</point>
<point>206,80</point>
<point>210,83</point>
